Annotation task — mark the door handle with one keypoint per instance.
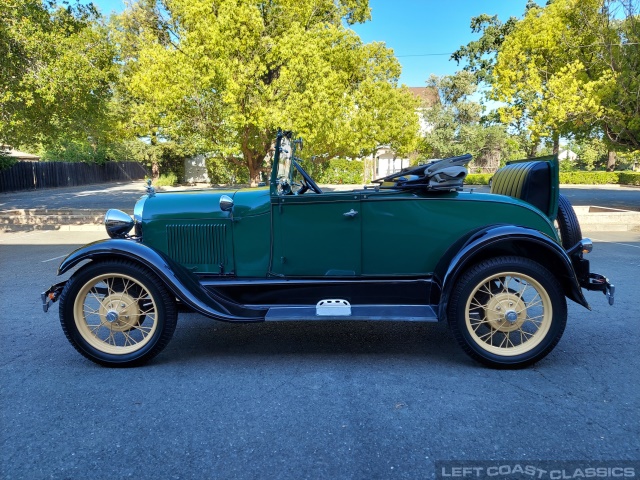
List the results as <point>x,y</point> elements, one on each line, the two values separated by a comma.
<point>351,213</point>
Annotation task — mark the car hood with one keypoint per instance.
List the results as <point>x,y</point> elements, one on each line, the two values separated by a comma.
<point>201,204</point>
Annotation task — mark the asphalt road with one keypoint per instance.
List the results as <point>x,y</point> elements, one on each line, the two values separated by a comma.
<point>307,400</point>
<point>124,196</point>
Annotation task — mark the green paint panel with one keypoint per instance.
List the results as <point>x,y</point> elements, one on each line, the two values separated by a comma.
<point>252,245</point>
<point>313,237</point>
<point>408,236</point>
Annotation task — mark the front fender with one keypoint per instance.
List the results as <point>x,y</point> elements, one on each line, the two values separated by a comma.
<point>503,240</point>
<point>182,283</point>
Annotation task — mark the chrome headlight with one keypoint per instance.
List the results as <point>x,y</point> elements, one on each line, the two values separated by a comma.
<point>117,223</point>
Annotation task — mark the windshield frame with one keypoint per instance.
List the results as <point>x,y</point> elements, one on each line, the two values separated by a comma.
<point>282,161</point>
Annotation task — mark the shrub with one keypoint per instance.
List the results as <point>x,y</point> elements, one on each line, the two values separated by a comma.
<point>166,180</point>
<point>224,172</point>
<point>574,178</point>
<point>6,161</point>
<point>629,178</point>
<point>478,178</point>
<point>589,178</point>
<point>342,171</point>
<point>600,178</point>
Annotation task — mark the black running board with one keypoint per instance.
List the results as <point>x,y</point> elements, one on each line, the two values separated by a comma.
<point>406,313</point>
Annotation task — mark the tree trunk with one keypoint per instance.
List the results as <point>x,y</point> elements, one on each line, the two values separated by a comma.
<point>533,151</point>
<point>556,143</point>
<point>253,162</point>
<point>611,161</point>
<point>254,176</point>
<point>155,165</point>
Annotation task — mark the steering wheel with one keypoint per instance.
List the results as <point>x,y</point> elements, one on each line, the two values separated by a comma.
<point>307,181</point>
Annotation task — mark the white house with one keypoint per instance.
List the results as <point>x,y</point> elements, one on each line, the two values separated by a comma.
<point>195,170</point>
<point>567,155</point>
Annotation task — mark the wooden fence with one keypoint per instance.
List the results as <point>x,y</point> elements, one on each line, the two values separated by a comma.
<point>35,175</point>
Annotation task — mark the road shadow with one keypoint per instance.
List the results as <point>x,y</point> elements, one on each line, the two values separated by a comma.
<point>199,337</point>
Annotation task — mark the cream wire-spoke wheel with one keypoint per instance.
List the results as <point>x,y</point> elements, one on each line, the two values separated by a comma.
<point>507,312</point>
<point>117,313</point>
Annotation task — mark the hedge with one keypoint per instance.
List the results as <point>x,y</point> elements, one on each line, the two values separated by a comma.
<point>342,171</point>
<point>573,178</point>
<point>600,178</point>
<point>478,178</point>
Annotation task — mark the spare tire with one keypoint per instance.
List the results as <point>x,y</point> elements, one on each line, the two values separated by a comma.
<point>568,225</point>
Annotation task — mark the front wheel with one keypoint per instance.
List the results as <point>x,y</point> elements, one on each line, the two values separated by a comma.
<point>117,313</point>
<point>507,312</point>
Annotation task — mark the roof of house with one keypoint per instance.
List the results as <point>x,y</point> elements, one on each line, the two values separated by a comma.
<point>18,155</point>
<point>427,95</point>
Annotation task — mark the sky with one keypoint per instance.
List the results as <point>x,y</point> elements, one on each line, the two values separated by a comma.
<point>422,33</point>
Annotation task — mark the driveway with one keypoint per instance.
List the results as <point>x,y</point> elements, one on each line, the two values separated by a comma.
<point>307,400</point>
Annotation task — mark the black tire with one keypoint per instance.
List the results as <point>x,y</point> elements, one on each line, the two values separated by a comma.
<point>117,313</point>
<point>568,225</point>
<point>507,312</point>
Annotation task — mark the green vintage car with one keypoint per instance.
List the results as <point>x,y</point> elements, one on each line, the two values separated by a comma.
<point>413,246</point>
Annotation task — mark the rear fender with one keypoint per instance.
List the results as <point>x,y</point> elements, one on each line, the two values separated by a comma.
<point>182,283</point>
<point>507,240</point>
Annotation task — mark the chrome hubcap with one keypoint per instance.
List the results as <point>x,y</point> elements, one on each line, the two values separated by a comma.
<point>511,316</point>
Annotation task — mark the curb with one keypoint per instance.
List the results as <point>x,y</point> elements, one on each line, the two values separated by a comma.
<point>603,219</point>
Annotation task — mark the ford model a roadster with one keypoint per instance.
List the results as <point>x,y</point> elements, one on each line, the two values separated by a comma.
<point>411,247</point>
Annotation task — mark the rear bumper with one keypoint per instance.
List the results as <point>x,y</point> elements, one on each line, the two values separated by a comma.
<point>588,280</point>
<point>599,283</point>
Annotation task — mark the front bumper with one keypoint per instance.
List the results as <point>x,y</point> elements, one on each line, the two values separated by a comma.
<point>51,295</point>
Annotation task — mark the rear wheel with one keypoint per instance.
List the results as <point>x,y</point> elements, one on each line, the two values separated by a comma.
<point>507,312</point>
<point>117,313</point>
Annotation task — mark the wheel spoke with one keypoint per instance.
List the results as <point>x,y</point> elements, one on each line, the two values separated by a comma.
<point>486,288</point>
<point>88,310</point>
<point>94,330</point>
<point>476,304</point>
<point>479,323</point>
<point>127,339</point>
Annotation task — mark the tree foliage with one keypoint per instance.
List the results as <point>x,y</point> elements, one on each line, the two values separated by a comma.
<point>57,72</point>
<point>457,126</point>
<point>479,55</point>
<point>573,67</point>
<point>231,72</point>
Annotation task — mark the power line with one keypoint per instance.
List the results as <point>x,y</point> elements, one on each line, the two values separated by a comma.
<point>423,55</point>
<point>578,46</point>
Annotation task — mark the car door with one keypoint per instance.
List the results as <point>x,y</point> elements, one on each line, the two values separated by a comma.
<point>316,235</point>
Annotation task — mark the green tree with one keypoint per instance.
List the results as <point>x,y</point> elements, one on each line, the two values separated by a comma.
<point>458,127</point>
<point>573,67</point>
<point>479,57</point>
<point>56,74</point>
<point>231,72</point>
